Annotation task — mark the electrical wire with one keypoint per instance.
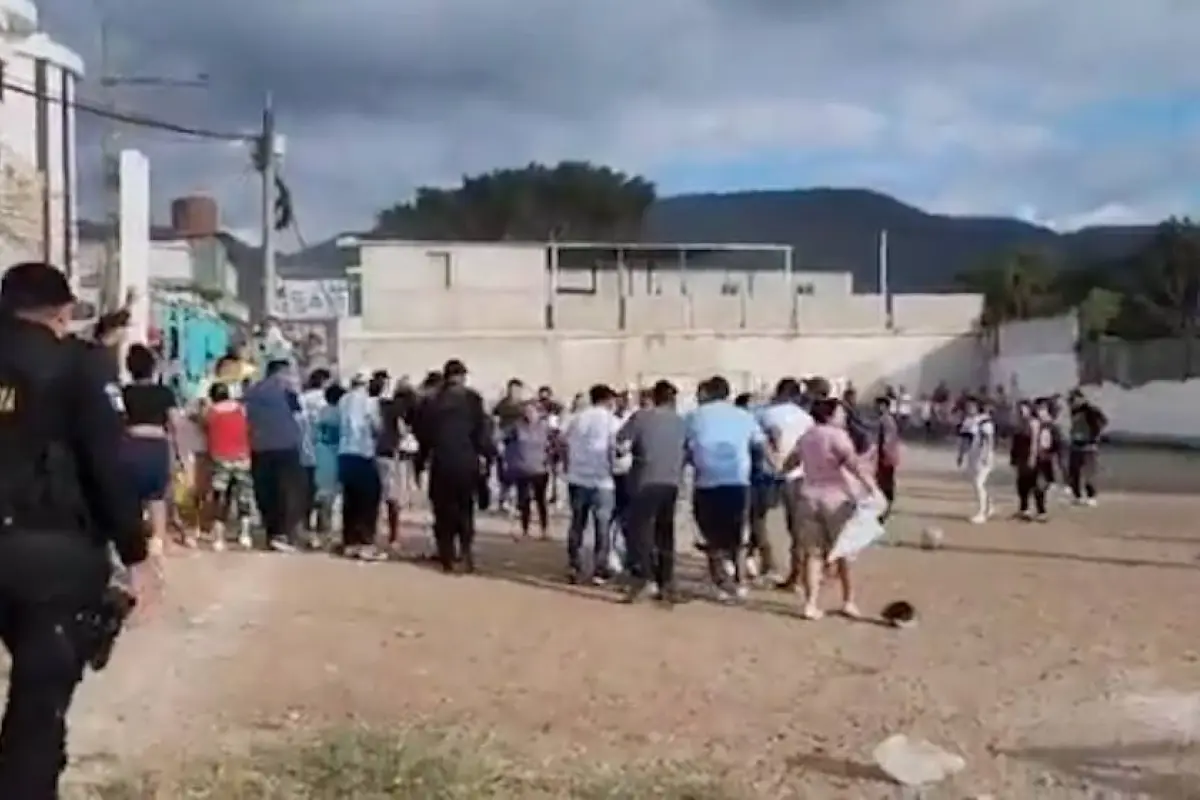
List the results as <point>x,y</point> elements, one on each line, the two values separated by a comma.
<point>128,117</point>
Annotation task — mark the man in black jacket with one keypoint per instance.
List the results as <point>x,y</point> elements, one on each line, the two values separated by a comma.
<point>61,504</point>
<point>1087,425</point>
<point>454,433</point>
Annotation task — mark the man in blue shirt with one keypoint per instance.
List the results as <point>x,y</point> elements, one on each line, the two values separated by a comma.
<point>272,411</point>
<point>360,423</point>
<point>722,443</point>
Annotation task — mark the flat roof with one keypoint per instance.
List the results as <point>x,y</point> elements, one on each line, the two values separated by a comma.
<point>359,240</point>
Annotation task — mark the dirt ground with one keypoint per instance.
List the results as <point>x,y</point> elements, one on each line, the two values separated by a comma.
<point>1054,657</point>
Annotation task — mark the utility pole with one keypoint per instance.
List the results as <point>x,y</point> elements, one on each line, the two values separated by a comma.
<point>110,283</point>
<point>265,162</point>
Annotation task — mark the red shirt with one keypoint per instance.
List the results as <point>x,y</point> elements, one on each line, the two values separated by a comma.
<point>228,432</point>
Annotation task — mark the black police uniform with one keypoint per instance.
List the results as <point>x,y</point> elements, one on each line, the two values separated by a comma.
<point>59,436</point>
<point>456,439</point>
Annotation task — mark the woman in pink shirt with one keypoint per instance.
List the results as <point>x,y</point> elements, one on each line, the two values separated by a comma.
<point>827,500</point>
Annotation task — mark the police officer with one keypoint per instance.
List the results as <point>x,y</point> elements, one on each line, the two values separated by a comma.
<point>61,505</point>
<point>456,439</point>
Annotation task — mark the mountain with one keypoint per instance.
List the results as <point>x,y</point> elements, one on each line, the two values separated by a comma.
<point>838,230</point>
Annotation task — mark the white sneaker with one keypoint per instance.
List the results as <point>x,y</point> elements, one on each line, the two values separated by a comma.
<point>1090,502</point>
<point>979,519</point>
<point>218,543</point>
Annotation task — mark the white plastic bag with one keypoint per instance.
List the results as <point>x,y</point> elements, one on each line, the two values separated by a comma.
<point>863,530</point>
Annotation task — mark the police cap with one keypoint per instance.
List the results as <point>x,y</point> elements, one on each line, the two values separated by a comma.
<point>32,285</point>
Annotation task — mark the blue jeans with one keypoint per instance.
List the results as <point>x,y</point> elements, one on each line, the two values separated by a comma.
<point>587,501</point>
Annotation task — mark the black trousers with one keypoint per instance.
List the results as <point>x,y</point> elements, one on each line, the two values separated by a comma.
<point>885,479</point>
<point>1032,482</point>
<point>452,498</point>
<point>361,493</point>
<point>531,497</point>
<point>311,507</point>
<point>1081,472</point>
<point>46,581</point>
<point>720,513</point>
<point>279,491</point>
<point>650,534</point>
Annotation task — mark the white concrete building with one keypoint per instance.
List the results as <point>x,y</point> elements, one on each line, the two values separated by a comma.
<point>502,308</point>
<point>38,177</point>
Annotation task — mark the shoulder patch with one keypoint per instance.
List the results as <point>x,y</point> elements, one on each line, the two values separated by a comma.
<point>115,397</point>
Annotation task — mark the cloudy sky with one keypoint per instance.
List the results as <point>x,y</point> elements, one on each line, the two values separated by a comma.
<point>1063,111</point>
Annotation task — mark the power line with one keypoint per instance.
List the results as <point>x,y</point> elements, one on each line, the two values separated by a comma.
<point>130,118</point>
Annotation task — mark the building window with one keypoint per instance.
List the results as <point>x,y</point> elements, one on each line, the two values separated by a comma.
<point>731,288</point>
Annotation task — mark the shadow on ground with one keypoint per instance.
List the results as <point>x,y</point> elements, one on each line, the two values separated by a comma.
<point>983,550</point>
<point>541,563</point>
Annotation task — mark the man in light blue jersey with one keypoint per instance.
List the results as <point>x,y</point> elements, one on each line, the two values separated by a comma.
<point>360,423</point>
<point>722,443</point>
<point>783,422</point>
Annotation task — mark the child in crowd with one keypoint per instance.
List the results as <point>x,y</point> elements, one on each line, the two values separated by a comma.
<point>228,434</point>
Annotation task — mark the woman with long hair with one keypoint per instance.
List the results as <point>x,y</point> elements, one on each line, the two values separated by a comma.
<point>151,419</point>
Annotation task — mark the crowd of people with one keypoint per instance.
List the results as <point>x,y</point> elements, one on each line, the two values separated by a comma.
<point>317,464</point>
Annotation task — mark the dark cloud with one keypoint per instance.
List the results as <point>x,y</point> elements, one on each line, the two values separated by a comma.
<point>377,96</point>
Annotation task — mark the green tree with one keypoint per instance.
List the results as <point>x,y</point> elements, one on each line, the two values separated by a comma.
<point>571,200</point>
<point>1164,280</point>
<point>1018,286</point>
<point>1098,310</point>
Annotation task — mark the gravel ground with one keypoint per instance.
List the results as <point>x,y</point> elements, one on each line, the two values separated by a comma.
<point>1052,656</point>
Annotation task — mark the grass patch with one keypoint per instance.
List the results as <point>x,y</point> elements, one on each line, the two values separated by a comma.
<point>414,765</point>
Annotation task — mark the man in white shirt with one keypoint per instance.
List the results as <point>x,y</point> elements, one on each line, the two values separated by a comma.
<point>784,422</point>
<point>590,441</point>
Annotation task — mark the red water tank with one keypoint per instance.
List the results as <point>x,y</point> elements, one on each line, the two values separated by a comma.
<point>195,217</point>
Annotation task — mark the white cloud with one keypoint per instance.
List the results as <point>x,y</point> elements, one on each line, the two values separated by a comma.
<point>959,105</point>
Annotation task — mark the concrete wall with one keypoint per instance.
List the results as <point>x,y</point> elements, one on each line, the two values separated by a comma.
<point>1038,357</point>
<point>419,286</point>
<point>671,281</point>
<point>492,305</point>
<point>574,361</point>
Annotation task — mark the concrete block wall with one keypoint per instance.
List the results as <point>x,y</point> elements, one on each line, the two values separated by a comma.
<point>571,362</point>
<point>937,312</point>
<point>501,287</point>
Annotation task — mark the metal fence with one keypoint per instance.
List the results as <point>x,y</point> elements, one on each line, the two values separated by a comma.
<point>1138,363</point>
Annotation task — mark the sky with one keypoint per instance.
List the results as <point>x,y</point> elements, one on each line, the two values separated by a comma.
<point>1064,112</point>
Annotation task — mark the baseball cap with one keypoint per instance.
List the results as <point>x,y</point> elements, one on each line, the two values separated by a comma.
<point>454,368</point>
<point>34,284</point>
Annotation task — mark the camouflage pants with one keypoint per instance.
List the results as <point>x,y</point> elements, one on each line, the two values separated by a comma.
<point>233,489</point>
